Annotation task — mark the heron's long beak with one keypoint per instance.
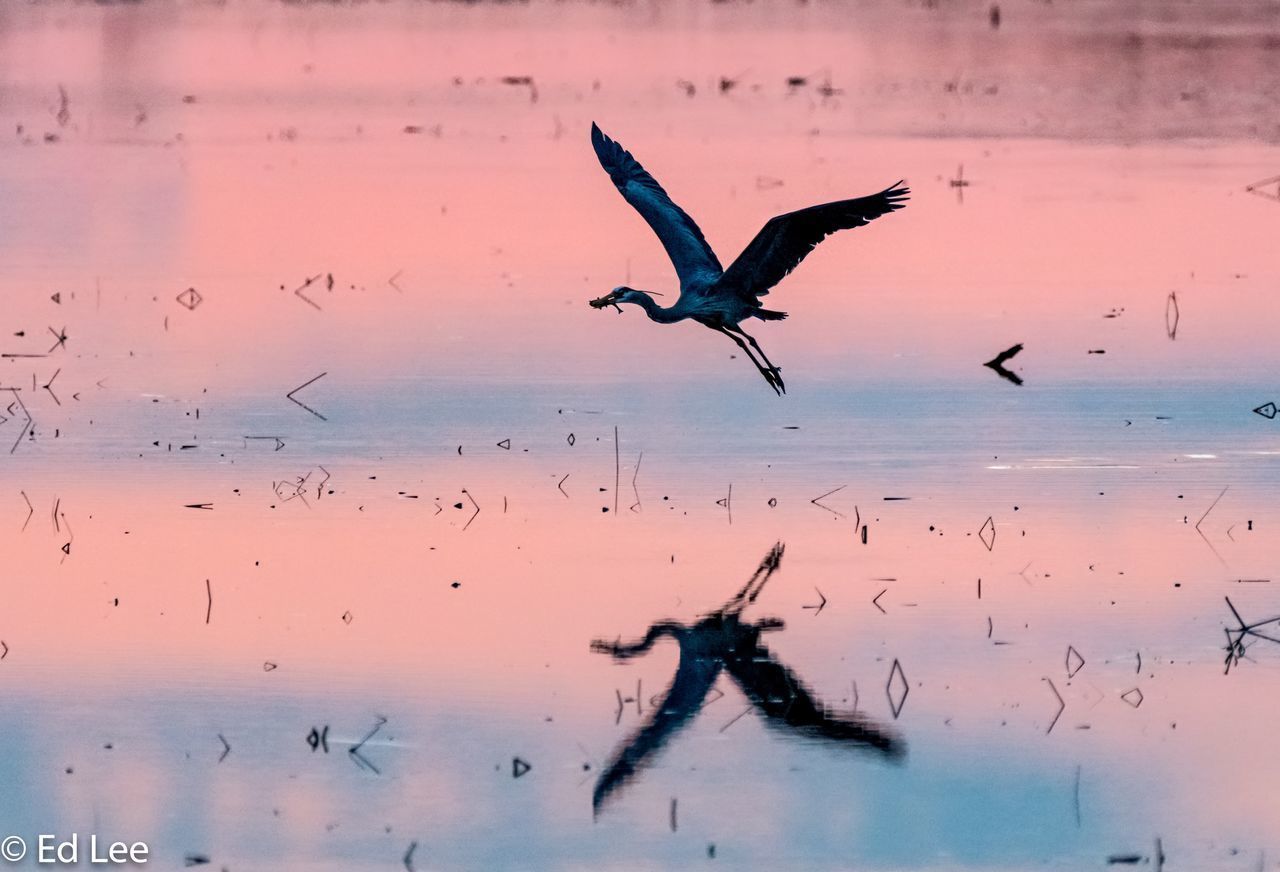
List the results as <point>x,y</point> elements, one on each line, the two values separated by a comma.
<point>609,299</point>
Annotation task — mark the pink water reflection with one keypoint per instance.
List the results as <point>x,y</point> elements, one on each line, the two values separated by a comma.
<point>1107,156</point>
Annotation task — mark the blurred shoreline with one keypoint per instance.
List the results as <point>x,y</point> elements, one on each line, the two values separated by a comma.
<point>1124,72</point>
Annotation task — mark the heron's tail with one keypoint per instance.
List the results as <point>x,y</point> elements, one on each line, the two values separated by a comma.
<point>769,315</point>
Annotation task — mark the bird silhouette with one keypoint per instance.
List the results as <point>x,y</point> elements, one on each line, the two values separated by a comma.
<point>723,641</point>
<point>721,298</point>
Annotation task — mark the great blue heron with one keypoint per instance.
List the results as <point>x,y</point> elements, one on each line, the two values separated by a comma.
<point>709,294</point>
<point>723,641</point>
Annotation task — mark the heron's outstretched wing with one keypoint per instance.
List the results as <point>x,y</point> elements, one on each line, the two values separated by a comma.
<point>689,688</point>
<point>782,243</point>
<point>785,701</point>
<point>680,236</point>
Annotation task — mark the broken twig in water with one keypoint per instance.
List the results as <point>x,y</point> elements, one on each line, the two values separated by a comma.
<point>817,501</point>
<point>997,364</point>
<point>354,750</point>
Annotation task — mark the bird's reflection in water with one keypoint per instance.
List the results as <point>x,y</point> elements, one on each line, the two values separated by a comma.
<point>723,641</point>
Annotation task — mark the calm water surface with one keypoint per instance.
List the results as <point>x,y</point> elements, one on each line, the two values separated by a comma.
<point>210,596</point>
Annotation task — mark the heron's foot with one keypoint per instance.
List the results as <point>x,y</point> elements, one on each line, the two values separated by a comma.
<point>772,376</point>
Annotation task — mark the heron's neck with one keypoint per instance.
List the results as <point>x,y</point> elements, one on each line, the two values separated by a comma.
<point>655,312</point>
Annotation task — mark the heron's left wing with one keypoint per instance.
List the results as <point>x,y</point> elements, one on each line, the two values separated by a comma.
<point>688,249</point>
<point>783,242</point>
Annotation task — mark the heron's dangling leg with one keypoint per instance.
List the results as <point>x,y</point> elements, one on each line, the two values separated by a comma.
<point>755,584</point>
<point>770,375</point>
<point>775,370</point>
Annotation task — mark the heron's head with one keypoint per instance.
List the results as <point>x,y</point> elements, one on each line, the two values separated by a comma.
<point>620,294</point>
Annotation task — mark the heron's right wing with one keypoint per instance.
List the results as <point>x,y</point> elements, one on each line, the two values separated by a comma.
<point>680,236</point>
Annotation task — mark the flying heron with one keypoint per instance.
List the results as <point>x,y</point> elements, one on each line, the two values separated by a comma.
<point>709,294</point>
